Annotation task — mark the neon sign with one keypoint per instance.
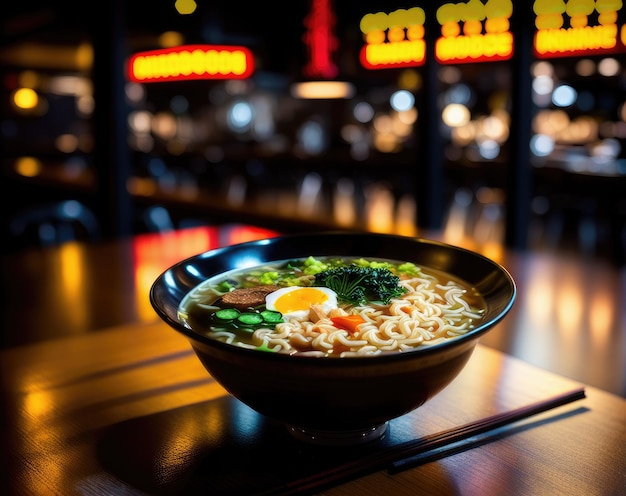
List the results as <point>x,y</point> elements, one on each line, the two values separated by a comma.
<point>321,44</point>
<point>566,27</point>
<point>191,62</point>
<point>393,40</point>
<point>320,40</point>
<point>474,32</point>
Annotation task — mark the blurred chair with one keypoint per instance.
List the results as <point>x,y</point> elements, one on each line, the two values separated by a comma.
<point>53,224</point>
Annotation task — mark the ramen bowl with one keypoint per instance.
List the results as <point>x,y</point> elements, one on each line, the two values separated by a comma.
<point>335,400</point>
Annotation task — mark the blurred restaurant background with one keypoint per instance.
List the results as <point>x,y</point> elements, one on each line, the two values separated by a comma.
<point>487,122</point>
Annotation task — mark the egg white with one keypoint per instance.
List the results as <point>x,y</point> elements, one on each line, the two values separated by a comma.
<point>272,301</point>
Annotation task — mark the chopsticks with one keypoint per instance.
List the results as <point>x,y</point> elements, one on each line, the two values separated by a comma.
<point>412,449</point>
<point>402,455</point>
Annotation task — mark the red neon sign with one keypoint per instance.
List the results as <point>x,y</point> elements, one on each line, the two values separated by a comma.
<point>191,62</point>
<point>320,40</point>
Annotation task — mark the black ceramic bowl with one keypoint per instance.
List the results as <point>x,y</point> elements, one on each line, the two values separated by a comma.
<point>335,400</point>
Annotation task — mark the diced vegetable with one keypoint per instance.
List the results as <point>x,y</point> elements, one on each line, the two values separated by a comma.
<point>269,277</point>
<point>313,266</point>
<point>225,286</point>
<point>363,262</point>
<point>408,269</point>
<point>348,322</point>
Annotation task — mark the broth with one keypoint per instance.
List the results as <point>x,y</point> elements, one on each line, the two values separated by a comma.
<point>313,306</point>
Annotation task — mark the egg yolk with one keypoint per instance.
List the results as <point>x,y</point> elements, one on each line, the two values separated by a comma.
<point>299,299</point>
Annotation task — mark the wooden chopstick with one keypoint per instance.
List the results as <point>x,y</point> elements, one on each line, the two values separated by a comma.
<point>445,438</point>
<point>393,456</point>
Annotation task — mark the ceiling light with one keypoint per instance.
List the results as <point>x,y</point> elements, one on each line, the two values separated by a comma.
<point>322,89</point>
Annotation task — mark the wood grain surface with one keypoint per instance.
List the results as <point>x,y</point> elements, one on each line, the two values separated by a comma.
<point>130,410</point>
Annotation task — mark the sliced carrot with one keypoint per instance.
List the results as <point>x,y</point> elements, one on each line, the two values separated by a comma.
<point>348,322</point>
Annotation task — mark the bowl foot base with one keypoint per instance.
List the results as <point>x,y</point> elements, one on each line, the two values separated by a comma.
<point>338,438</point>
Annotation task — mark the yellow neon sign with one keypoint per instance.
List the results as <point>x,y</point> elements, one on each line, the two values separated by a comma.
<point>393,40</point>
<point>563,27</point>
<point>191,62</point>
<point>474,32</point>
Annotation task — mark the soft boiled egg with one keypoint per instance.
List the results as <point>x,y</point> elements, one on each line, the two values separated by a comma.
<point>295,301</point>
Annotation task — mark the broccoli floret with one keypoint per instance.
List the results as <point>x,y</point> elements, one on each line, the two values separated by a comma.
<point>358,285</point>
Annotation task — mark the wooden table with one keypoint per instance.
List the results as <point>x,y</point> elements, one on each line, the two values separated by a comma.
<point>569,316</point>
<point>130,410</point>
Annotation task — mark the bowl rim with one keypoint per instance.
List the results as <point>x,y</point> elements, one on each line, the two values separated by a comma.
<point>197,339</point>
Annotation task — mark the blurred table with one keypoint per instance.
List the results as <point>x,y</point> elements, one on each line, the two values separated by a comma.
<point>130,410</point>
<point>81,287</point>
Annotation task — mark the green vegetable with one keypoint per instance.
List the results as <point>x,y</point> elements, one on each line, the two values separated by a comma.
<point>227,314</point>
<point>250,319</point>
<point>269,277</point>
<point>272,317</point>
<point>225,286</point>
<point>359,285</point>
<point>408,268</point>
<point>313,266</point>
<point>362,262</point>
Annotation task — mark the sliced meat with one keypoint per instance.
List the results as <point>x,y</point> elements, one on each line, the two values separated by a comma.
<point>317,313</point>
<point>244,298</point>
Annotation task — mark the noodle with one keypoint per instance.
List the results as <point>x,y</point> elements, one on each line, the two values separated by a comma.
<point>421,317</point>
<point>431,310</point>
